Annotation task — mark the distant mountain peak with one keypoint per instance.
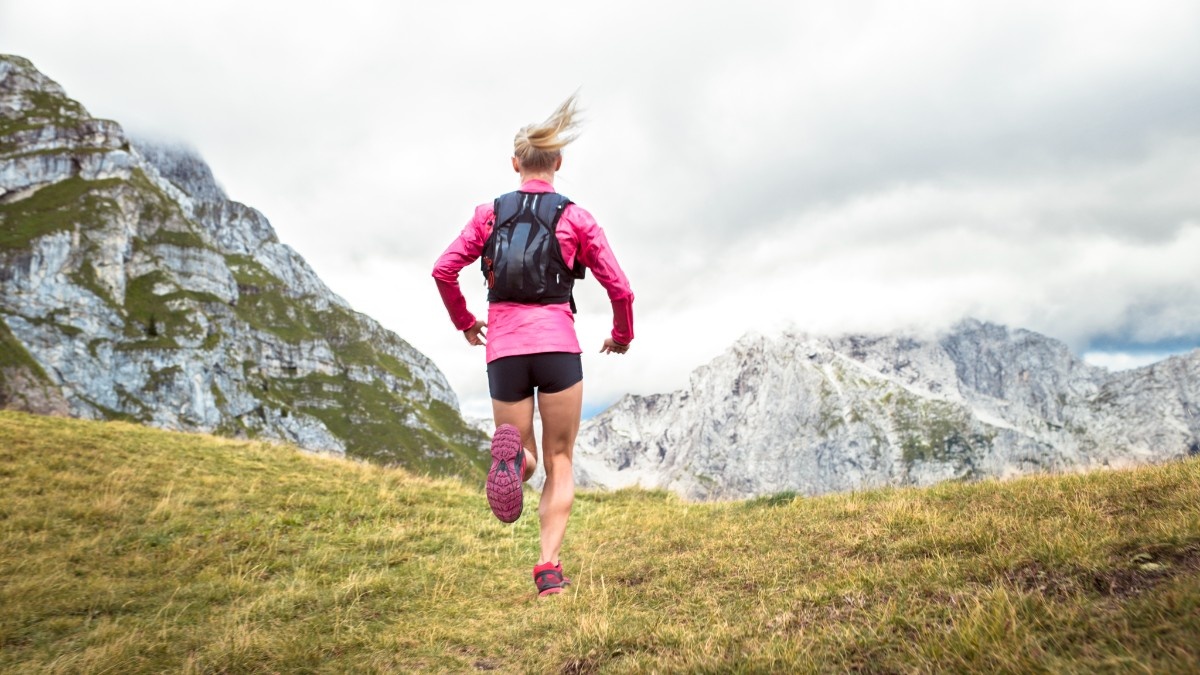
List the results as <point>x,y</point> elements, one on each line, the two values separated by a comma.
<point>183,167</point>
<point>812,414</point>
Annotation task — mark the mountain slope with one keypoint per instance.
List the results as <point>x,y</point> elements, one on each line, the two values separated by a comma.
<point>134,550</point>
<point>132,288</point>
<point>817,414</point>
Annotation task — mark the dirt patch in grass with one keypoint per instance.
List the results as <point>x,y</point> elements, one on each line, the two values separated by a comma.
<point>1033,577</point>
<point>584,666</point>
<point>1145,571</point>
<point>1133,576</point>
<point>842,608</point>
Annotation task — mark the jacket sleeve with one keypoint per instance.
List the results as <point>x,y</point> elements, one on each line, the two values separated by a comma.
<point>463,251</point>
<point>598,256</point>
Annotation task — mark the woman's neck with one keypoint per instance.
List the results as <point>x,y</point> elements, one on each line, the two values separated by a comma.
<point>545,177</point>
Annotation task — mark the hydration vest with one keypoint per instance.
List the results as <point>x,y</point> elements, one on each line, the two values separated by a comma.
<point>521,260</point>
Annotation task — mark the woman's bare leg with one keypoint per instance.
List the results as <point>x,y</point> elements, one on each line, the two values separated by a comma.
<point>520,415</point>
<point>560,413</point>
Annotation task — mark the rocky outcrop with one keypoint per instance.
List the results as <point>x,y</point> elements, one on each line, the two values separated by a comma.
<point>811,415</point>
<point>131,287</point>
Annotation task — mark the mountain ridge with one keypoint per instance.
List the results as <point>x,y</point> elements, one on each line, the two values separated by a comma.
<point>815,414</point>
<point>134,288</point>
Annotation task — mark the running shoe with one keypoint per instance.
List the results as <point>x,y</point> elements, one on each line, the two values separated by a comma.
<point>549,578</point>
<point>504,479</point>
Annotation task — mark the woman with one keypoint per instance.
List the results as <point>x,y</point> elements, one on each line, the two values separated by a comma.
<point>530,340</point>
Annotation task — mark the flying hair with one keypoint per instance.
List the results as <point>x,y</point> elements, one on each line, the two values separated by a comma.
<point>538,146</point>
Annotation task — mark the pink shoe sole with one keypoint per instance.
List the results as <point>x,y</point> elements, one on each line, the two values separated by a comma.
<point>504,479</point>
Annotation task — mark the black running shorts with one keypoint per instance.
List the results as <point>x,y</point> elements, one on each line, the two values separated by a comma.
<point>513,378</point>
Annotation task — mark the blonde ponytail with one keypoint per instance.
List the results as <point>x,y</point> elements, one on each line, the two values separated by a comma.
<point>538,146</point>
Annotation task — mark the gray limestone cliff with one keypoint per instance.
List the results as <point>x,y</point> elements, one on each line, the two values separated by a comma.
<point>812,415</point>
<point>132,288</point>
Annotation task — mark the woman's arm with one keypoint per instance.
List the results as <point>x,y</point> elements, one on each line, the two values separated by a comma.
<point>463,251</point>
<point>598,256</point>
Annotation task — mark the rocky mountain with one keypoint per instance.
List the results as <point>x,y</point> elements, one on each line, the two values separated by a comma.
<point>132,288</point>
<point>811,415</point>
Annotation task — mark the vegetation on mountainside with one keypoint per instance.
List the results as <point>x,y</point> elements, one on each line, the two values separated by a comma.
<point>134,550</point>
<point>934,431</point>
<point>367,397</point>
<point>58,207</point>
<point>926,430</point>
<point>43,108</point>
<point>40,109</point>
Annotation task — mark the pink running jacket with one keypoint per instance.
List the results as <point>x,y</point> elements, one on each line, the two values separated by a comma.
<point>515,328</point>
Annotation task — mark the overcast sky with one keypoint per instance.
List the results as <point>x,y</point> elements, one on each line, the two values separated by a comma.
<point>756,165</point>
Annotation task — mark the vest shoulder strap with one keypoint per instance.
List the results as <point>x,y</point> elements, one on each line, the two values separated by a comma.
<point>547,207</point>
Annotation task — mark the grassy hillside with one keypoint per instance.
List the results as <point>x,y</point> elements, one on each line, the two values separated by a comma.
<point>128,549</point>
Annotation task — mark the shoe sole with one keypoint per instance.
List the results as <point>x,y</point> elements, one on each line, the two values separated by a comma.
<point>552,588</point>
<point>504,479</point>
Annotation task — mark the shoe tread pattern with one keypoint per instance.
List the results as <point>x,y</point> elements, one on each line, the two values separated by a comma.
<point>504,493</point>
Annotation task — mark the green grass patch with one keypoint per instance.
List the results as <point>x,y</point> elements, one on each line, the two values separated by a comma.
<point>135,550</point>
<point>116,415</point>
<point>180,238</point>
<point>249,272</point>
<point>46,108</point>
<point>270,310</point>
<point>10,126</point>
<point>212,339</point>
<point>15,152</point>
<point>156,320</point>
<point>148,315</point>
<point>157,207</point>
<point>87,278</point>
<point>54,106</point>
<point>933,430</point>
<point>265,304</point>
<point>163,377</point>
<point>53,208</point>
<point>365,353</point>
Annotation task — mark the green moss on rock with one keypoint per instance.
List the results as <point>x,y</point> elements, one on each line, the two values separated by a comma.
<point>933,430</point>
<point>45,108</point>
<point>160,378</point>
<point>53,208</point>
<point>179,238</point>
<point>53,107</point>
<point>155,321</point>
<point>270,311</point>
<point>87,278</point>
<point>248,271</point>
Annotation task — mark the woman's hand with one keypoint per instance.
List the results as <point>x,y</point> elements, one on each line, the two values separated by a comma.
<point>475,334</point>
<point>611,346</point>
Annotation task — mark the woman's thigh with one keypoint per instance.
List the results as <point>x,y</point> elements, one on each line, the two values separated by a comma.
<point>560,412</point>
<point>520,415</point>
